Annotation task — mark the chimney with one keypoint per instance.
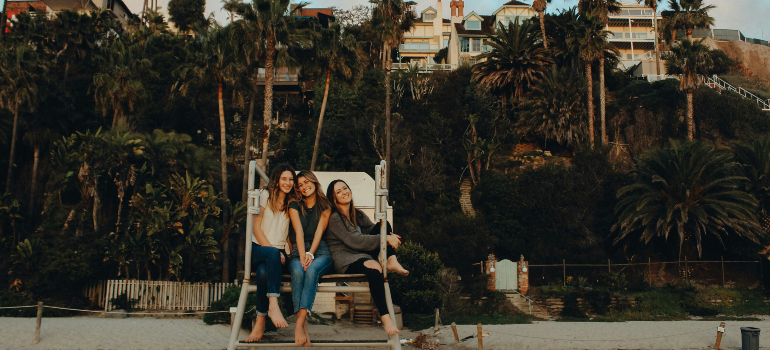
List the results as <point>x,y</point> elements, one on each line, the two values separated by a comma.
<point>460,5</point>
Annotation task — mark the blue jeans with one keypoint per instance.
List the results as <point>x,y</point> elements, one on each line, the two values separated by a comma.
<point>304,284</point>
<point>266,263</point>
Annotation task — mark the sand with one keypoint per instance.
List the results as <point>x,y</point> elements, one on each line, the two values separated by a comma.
<point>192,333</point>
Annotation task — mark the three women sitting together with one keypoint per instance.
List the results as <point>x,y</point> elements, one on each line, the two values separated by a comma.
<point>325,233</point>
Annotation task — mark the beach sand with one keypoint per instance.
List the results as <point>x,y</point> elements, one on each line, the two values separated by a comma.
<point>192,333</point>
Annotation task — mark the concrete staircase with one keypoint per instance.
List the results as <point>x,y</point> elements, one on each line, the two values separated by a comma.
<point>521,303</point>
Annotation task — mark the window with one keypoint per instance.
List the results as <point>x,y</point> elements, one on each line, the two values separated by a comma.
<point>446,43</point>
<point>427,17</point>
<point>475,45</point>
<point>464,45</point>
<point>473,25</point>
<point>635,12</point>
<point>639,35</point>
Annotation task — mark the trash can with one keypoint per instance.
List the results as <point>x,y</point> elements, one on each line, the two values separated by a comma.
<point>749,338</point>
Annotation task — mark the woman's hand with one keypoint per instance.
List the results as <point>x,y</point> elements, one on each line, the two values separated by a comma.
<point>306,261</point>
<point>283,258</point>
<point>394,240</point>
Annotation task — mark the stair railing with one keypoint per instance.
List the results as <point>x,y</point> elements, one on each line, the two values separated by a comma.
<point>717,83</point>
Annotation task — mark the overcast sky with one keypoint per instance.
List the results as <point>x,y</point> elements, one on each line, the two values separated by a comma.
<point>751,17</point>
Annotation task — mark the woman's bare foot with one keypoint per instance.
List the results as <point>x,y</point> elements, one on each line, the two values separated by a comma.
<point>299,333</point>
<point>307,336</point>
<point>390,328</point>
<point>274,311</point>
<point>394,266</point>
<point>258,331</point>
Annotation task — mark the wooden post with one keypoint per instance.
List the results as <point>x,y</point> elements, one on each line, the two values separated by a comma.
<point>481,337</point>
<point>564,270</point>
<point>39,321</point>
<point>720,331</point>
<point>723,271</point>
<point>609,266</point>
<point>649,269</point>
<point>435,325</point>
<point>454,330</point>
<point>686,271</point>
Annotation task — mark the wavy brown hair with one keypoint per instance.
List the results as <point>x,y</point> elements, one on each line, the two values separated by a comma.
<point>273,189</point>
<point>320,198</point>
<point>333,198</point>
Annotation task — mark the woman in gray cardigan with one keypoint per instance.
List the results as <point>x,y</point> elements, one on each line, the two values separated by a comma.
<point>355,251</point>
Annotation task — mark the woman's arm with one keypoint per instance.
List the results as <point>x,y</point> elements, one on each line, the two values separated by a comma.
<point>256,229</point>
<point>297,224</point>
<point>319,231</point>
<point>350,236</point>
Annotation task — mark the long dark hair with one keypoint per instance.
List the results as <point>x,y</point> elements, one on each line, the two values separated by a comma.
<point>320,199</point>
<point>273,189</point>
<point>333,198</point>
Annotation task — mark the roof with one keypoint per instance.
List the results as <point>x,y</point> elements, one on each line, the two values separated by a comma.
<point>515,3</point>
<point>487,27</point>
<point>427,9</point>
<point>313,12</point>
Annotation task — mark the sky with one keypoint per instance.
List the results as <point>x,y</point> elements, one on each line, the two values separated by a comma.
<point>752,17</point>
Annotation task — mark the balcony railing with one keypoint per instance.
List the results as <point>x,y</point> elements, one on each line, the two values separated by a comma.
<point>629,35</point>
<point>418,47</point>
<point>281,75</point>
<point>424,67</point>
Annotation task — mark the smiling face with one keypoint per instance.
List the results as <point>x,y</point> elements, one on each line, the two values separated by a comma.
<point>342,194</point>
<point>305,186</point>
<point>286,182</point>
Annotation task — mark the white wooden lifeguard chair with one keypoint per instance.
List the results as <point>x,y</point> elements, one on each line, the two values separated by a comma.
<point>380,213</point>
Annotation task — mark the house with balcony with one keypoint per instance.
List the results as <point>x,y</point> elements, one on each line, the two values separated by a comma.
<point>429,35</point>
<point>632,32</point>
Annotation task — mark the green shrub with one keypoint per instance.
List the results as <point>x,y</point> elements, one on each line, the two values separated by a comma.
<point>600,300</point>
<point>572,307</point>
<point>416,293</point>
<point>230,299</point>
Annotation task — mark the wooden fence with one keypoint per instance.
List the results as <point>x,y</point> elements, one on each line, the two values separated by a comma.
<point>156,295</point>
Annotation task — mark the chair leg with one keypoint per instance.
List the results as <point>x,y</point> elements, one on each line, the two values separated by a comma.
<point>236,330</point>
<point>394,340</point>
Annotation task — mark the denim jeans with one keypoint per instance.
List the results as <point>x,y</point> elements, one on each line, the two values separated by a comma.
<point>304,284</point>
<point>266,262</point>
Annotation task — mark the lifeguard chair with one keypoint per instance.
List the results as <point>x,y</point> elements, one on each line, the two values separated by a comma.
<point>380,213</point>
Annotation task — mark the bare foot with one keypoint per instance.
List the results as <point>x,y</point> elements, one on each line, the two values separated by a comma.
<point>300,337</point>
<point>307,336</point>
<point>256,333</point>
<point>394,266</point>
<point>390,328</point>
<point>277,317</point>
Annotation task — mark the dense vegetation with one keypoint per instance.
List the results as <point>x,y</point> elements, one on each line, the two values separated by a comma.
<point>126,146</point>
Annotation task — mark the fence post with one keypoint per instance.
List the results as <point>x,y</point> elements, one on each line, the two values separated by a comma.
<point>435,327</point>
<point>481,337</point>
<point>564,270</point>
<point>649,269</point>
<point>454,330</point>
<point>723,270</point>
<point>39,321</point>
<point>609,266</point>
<point>686,271</point>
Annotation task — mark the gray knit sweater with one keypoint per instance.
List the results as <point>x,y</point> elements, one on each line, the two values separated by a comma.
<point>346,244</point>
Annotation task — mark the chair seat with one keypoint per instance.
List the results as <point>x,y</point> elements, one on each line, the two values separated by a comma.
<point>324,279</point>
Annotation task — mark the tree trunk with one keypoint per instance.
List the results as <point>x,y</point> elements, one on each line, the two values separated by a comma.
<point>657,49</point>
<point>14,131</point>
<point>505,104</point>
<point>35,162</point>
<point>602,102</point>
<point>223,161</point>
<point>589,81</point>
<point>268,114</point>
<point>66,74</point>
<point>690,119</point>
<point>321,119</point>
<point>542,28</point>
<point>387,115</point>
<point>245,188</point>
<point>115,117</point>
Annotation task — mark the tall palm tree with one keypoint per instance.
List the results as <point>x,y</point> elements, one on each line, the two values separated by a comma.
<point>118,85</point>
<point>554,109</point>
<point>654,5</point>
<point>689,60</point>
<point>754,160</point>
<point>214,59</point>
<point>688,190</point>
<point>20,69</point>
<point>516,61</point>
<point>588,37</point>
<point>690,14</point>
<point>600,8</point>
<point>539,6</point>
<point>391,19</point>
<point>280,30</point>
<point>335,52</point>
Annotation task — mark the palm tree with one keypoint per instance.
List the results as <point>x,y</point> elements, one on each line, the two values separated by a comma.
<point>754,160</point>
<point>689,190</point>
<point>335,52</point>
<point>118,85</point>
<point>554,109</point>
<point>588,37</point>
<point>689,60</point>
<point>214,58</point>
<point>690,14</point>
<point>599,8</point>
<point>279,29</point>
<point>390,20</point>
<point>539,6</point>
<point>19,71</point>
<point>654,5</point>
<point>516,61</point>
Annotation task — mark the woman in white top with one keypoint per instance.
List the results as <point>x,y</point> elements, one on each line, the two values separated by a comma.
<point>269,247</point>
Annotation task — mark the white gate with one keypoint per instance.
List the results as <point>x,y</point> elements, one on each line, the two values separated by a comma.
<point>505,276</point>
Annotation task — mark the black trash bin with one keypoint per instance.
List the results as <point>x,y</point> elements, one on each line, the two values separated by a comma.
<point>749,338</point>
